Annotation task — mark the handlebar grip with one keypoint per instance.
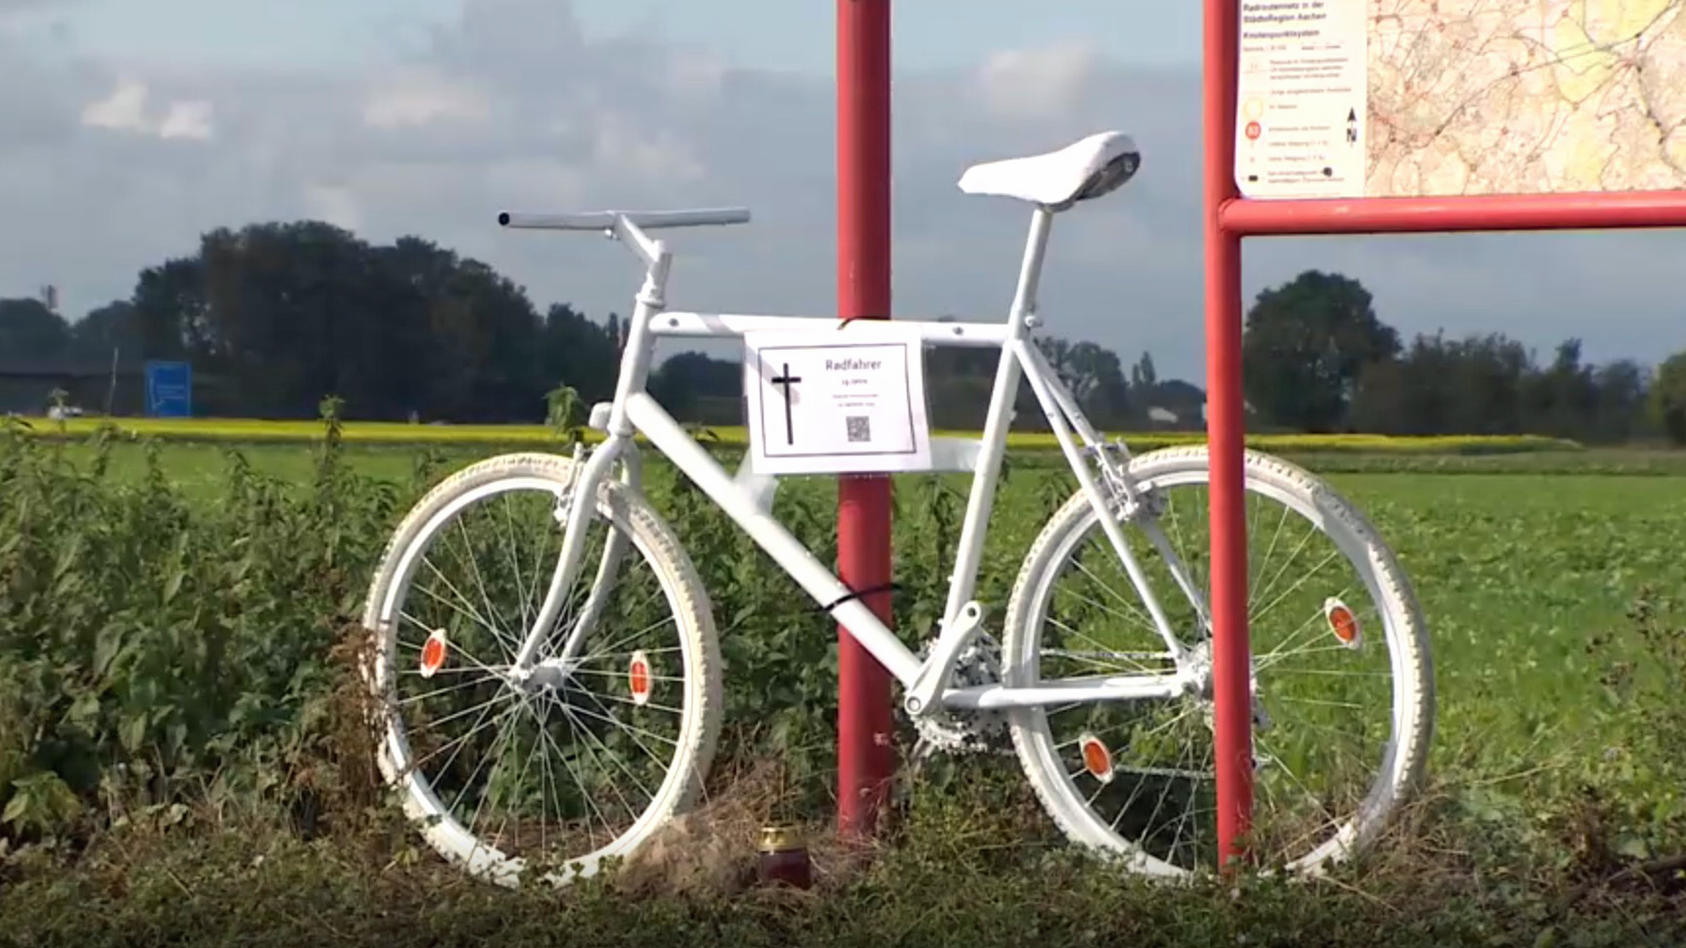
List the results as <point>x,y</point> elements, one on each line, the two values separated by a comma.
<point>601,220</point>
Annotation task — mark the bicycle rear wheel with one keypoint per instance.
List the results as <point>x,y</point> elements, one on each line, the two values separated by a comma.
<point>1343,688</point>
<point>585,757</point>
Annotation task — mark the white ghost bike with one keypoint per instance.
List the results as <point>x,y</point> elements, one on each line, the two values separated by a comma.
<point>546,657</point>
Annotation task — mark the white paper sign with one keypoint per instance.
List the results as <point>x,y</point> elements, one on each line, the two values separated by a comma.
<point>831,400</point>
<point>1301,98</point>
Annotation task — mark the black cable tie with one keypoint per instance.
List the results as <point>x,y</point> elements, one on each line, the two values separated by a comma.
<point>840,600</point>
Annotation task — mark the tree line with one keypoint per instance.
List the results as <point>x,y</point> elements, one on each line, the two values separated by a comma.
<point>275,316</point>
<point>1317,358</point>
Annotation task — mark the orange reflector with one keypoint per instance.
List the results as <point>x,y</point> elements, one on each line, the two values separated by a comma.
<point>1342,622</point>
<point>638,677</point>
<point>1097,760</point>
<point>433,653</point>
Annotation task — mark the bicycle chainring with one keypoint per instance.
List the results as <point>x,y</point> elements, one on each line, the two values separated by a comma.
<point>955,731</point>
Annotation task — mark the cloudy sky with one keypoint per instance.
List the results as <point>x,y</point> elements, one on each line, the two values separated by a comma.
<point>132,127</point>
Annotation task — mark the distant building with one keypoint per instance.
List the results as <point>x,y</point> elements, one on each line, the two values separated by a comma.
<point>1177,405</point>
<point>26,386</point>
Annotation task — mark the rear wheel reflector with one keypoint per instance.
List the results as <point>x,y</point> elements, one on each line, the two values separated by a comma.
<point>1342,622</point>
<point>1097,760</point>
<point>638,677</point>
<point>433,653</point>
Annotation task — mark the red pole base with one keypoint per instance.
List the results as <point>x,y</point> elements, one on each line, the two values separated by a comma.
<point>866,756</point>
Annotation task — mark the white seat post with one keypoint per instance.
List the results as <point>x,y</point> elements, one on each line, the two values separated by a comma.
<point>969,549</point>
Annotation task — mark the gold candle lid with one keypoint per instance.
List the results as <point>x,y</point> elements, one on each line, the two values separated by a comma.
<point>780,838</point>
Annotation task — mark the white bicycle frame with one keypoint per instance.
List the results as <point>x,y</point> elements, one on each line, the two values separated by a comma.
<point>633,410</point>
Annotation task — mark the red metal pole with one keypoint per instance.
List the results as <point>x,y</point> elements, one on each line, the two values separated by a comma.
<point>1233,720</point>
<point>1482,212</point>
<point>865,756</point>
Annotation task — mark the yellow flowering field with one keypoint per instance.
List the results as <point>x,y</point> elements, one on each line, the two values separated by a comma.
<point>399,433</point>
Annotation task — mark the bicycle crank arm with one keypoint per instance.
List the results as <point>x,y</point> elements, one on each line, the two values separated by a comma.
<point>934,675</point>
<point>1071,691</point>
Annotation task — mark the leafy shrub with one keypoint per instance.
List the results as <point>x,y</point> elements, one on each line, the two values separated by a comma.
<point>149,645</point>
<point>159,647</point>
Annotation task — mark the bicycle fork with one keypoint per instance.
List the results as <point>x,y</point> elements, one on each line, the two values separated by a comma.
<point>581,506</point>
<point>574,513</point>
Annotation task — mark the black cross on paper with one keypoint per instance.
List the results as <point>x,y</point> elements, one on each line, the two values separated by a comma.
<point>787,380</point>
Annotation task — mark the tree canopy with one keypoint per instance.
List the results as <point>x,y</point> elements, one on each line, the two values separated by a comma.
<point>1305,344</point>
<point>1668,398</point>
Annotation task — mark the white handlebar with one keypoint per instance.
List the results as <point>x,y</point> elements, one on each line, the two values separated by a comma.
<point>644,220</point>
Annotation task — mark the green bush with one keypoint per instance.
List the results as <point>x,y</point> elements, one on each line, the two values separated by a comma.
<point>162,645</point>
<point>150,646</point>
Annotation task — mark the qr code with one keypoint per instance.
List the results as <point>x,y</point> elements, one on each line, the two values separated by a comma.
<point>860,427</point>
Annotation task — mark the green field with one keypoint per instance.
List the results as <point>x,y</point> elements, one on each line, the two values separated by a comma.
<point>1553,586</point>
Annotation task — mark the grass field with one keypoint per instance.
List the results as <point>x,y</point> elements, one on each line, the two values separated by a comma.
<point>1553,586</point>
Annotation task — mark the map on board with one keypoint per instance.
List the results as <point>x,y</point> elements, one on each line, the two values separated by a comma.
<point>1398,98</point>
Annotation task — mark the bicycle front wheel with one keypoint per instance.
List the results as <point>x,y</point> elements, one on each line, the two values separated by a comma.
<point>584,755</point>
<point>1342,686</point>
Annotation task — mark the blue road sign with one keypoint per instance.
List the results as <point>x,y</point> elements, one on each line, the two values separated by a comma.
<point>169,389</point>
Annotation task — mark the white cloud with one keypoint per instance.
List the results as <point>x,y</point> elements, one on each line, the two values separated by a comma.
<point>190,120</point>
<point>423,98</point>
<point>123,110</point>
<point>693,76</point>
<point>655,154</point>
<point>1036,83</point>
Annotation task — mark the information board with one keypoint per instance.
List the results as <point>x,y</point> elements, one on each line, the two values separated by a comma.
<point>1430,98</point>
<point>848,400</point>
<point>169,389</point>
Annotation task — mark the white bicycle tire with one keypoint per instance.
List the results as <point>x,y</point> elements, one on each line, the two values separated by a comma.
<point>1413,687</point>
<point>650,538</point>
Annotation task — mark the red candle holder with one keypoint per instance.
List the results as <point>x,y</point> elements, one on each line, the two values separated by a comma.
<point>784,857</point>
